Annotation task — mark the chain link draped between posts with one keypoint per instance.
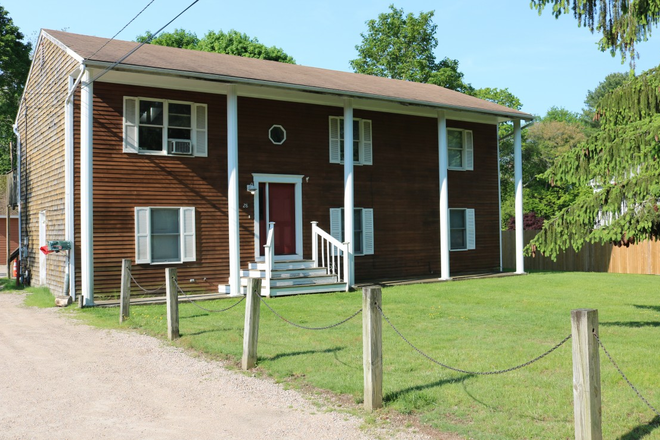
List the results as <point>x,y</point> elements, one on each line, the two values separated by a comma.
<point>309,328</point>
<point>624,376</point>
<point>191,301</point>
<point>459,370</point>
<point>158,290</point>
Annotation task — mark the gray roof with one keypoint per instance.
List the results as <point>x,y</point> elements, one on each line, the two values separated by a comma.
<point>249,70</point>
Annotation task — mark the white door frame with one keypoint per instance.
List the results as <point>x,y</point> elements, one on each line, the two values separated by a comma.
<point>42,242</point>
<point>279,178</point>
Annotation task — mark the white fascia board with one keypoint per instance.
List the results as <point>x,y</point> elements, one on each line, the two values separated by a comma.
<point>179,80</point>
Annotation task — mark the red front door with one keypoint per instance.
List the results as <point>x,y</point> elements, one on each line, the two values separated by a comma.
<point>277,203</point>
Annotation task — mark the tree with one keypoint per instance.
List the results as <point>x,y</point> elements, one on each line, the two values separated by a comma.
<point>621,163</point>
<point>235,43</point>
<point>611,82</point>
<point>401,46</point>
<point>14,68</point>
<point>622,23</point>
<point>179,38</point>
<point>232,43</point>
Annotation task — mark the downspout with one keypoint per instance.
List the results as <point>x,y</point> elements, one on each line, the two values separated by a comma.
<point>20,199</point>
<point>499,191</point>
<point>69,231</point>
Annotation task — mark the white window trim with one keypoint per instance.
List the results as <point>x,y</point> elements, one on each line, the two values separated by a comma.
<point>198,129</point>
<point>467,151</point>
<point>365,149</point>
<point>187,230</point>
<point>470,230</point>
<point>337,219</point>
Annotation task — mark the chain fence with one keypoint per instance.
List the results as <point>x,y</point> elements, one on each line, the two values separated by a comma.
<point>147,291</point>
<point>309,328</point>
<point>624,376</point>
<point>459,370</point>
<point>191,301</point>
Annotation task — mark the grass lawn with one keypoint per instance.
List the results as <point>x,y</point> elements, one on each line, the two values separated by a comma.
<point>478,325</point>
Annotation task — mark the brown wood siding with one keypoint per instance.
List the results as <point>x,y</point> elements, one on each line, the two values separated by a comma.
<point>402,187</point>
<point>41,124</point>
<point>123,181</point>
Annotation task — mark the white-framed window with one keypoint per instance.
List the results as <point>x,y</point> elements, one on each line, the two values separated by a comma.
<point>157,126</point>
<point>164,235</point>
<point>461,230</point>
<point>363,229</point>
<point>362,144</point>
<point>460,150</point>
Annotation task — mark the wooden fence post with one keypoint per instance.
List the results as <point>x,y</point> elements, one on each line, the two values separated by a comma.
<point>125,296</point>
<point>586,375</point>
<point>172,304</point>
<point>372,347</point>
<point>251,328</point>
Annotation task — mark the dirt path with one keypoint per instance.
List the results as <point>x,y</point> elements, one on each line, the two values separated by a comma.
<point>62,379</point>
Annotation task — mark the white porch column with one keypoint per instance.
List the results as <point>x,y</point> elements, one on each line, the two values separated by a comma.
<point>69,170</point>
<point>232,193</point>
<point>444,196</point>
<point>349,203</point>
<point>517,160</point>
<point>86,187</point>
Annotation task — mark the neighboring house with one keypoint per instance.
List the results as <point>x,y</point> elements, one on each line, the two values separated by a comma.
<point>181,158</point>
<point>13,232</point>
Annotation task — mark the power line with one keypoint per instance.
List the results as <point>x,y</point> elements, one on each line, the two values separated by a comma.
<point>122,29</point>
<point>132,51</point>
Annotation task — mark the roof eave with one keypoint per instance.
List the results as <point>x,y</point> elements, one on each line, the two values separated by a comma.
<point>501,116</point>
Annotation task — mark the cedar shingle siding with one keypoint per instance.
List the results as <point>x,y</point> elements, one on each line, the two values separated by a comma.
<point>41,124</point>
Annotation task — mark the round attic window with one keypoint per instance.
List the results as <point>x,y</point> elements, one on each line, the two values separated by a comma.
<point>277,134</point>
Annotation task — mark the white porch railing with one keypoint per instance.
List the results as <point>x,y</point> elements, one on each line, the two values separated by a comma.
<point>269,256</point>
<point>330,253</point>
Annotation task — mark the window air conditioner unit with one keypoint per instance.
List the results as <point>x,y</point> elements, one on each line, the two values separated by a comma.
<point>179,146</point>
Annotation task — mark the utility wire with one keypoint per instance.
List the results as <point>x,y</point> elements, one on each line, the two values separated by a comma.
<point>122,29</point>
<point>135,49</point>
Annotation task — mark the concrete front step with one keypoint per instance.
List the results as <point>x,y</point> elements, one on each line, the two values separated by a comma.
<point>292,290</point>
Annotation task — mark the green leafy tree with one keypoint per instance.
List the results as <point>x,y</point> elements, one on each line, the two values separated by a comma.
<point>236,43</point>
<point>401,46</point>
<point>622,23</point>
<point>621,164</point>
<point>232,43</point>
<point>179,38</point>
<point>14,68</point>
<point>611,82</point>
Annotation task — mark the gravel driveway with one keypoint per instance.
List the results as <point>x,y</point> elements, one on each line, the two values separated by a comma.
<point>66,380</point>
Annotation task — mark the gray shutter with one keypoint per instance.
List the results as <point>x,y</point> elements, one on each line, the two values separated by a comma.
<point>200,132</point>
<point>142,236</point>
<point>469,150</point>
<point>188,240</point>
<point>335,153</point>
<point>470,229</point>
<point>368,230</point>
<point>335,223</point>
<point>130,125</point>
<point>366,144</point>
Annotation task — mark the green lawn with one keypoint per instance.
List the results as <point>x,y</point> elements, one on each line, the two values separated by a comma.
<point>478,325</point>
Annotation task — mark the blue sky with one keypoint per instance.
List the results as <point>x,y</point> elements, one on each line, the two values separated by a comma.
<point>544,61</point>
